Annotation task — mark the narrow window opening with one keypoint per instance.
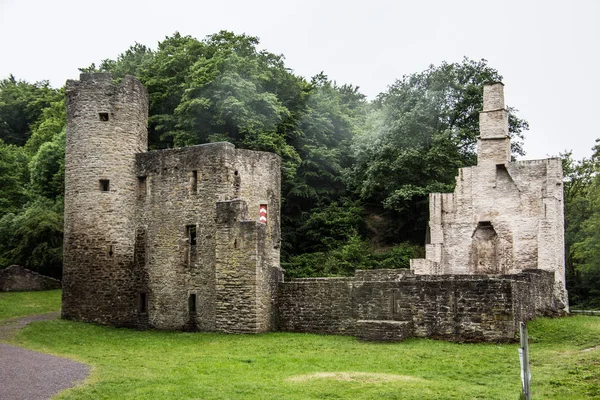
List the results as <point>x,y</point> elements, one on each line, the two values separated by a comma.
<point>192,234</point>
<point>194,182</point>
<point>103,116</point>
<point>111,251</point>
<point>191,249</point>
<point>237,182</point>
<point>142,185</point>
<point>143,303</point>
<point>235,244</point>
<point>192,302</point>
<point>104,185</point>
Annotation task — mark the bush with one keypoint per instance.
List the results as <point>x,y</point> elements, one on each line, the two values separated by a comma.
<point>344,260</point>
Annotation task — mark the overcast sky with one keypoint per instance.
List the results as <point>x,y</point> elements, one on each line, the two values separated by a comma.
<point>548,51</point>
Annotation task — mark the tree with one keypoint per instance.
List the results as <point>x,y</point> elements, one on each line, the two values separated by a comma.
<point>21,104</point>
<point>14,177</point>
<point>418,134</point>
<point>582,227</point>
<point>34,237</point>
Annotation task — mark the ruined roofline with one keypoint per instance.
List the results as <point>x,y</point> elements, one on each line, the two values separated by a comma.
<point>536,160</point>
<point>195,146</point>
<point>103,78</point>
<point>215,145</point>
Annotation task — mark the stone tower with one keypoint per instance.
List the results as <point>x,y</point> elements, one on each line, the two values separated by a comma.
<point>504,217</point>
<point>106,127</point>
<point>179,239</point>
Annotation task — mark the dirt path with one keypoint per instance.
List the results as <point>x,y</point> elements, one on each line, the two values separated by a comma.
<point>30,375</point>
<point>10,327</point>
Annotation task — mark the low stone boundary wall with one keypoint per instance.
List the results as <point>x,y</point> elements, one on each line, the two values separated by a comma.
<point>19,279</point>
<point>586,312</point>
<point>452,307</point>
<point>317,305</point>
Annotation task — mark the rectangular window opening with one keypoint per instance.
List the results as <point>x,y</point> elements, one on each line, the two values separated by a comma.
<point>104,185</point>
<point>194,182</point>
<point>191,234</point>
<point>103,116</point>
<point>143,303</point>
<point>142,185</point>
<point>192,302</point>
<point>191,237</point>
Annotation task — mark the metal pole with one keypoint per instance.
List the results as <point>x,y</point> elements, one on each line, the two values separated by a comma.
<point>524,357</point>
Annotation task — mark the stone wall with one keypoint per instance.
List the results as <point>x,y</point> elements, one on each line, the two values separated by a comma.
<point>242,269</point>
<point>141,235</point>
<point>180,195</point>
<point>452,307</point>
<point>16,278</point>
<point>317,305</point>
<point>503,217</point>
<point>106,127</point>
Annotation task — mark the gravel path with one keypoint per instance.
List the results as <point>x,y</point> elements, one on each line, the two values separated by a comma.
<point>29,375</point>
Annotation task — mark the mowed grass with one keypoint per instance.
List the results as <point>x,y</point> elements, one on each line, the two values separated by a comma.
<point>129,364</point>
<point>20,304</point>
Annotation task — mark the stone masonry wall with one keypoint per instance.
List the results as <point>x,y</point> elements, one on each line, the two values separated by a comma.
<point>140,227</point>
<point>106,127</point>
<point>241,305</point>
<point>317,305</point>
<point>503,217</point>
<point>181,190</point>
<point>452,307</point>
<point>16,278</point>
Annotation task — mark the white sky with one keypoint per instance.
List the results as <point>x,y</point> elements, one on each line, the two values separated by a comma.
<point>548,51</point>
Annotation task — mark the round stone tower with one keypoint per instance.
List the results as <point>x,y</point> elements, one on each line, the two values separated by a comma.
<point>106,128</point>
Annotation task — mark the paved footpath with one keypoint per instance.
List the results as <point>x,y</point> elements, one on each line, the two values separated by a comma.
<point>29,375</point>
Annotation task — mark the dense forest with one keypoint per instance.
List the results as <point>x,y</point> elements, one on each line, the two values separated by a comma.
<point>356,173</point>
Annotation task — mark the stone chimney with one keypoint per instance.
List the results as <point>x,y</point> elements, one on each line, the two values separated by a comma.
<point>493,143</point>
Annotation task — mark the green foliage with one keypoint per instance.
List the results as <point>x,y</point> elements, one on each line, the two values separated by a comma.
<point>21,104</point>
<point>14,176</point>
<point>179,365</point>
<point>354,254</point>
<point>419,133</point>
<point>51,122</point>
<point>33,238</point>
<point>47,168</point>
<point>582,228</point>
<point>21,304</point>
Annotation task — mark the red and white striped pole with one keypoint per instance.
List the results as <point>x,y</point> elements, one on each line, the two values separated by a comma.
<point>263,214</point>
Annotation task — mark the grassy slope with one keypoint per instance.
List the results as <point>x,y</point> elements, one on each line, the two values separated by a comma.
<point>161,365</point>
<point>19,304</point>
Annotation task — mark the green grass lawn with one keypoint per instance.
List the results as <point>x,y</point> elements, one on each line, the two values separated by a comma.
<point>130,364</point>
<point>20,304</point>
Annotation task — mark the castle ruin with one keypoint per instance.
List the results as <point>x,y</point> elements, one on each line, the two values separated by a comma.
<point>169,239</point>
<point>189,238</point>
<point>504,217</point>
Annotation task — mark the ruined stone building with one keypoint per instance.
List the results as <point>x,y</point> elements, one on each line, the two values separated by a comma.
<point>189,238</point>
<point>169,239</point>
<point>504,217</point>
